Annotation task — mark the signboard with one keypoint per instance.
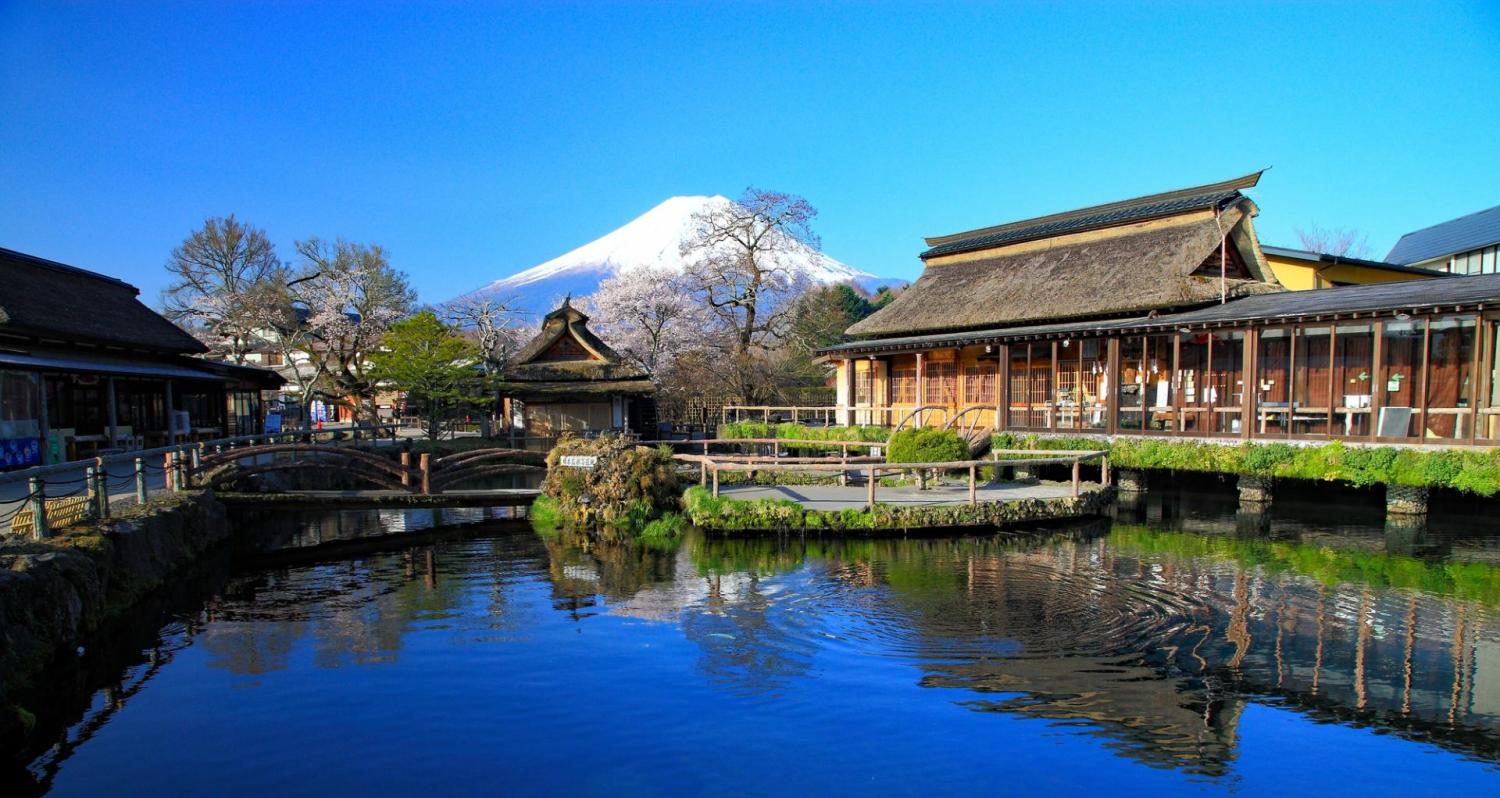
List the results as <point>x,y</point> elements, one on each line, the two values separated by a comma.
<point>578,460</point>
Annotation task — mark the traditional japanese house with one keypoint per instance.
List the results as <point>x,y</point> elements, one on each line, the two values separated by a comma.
<point>1160,316</point>
<point>85,367</point>
<point>567,380</point>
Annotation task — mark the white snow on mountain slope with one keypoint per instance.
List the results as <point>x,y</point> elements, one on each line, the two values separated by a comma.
<point>651,239</point>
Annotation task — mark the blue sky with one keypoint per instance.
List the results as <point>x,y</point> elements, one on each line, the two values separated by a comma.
<point>475,140</point>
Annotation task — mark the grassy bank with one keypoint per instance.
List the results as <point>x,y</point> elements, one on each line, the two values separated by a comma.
<point>1474,471</point>
<point>784,515</point>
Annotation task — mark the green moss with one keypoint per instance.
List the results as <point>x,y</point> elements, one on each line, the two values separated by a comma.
<point>1475,471</point>
<point>546,517</point>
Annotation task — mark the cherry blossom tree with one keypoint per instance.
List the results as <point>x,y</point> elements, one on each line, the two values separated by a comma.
<point>648,315</point>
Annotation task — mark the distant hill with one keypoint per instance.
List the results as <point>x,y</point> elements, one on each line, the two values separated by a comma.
<point>651,239</point>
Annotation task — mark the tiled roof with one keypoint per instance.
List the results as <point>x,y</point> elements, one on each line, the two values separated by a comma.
<point>1465,233</point>
<point>1138,209</point>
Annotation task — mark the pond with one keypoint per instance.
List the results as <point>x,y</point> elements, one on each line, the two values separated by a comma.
<point>1184,648</point>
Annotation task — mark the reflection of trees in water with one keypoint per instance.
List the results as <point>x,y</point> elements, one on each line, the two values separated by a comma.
<point>745,638</point>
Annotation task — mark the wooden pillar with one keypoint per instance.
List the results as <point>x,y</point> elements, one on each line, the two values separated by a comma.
<point>716,481</point>
<point>921,385</point>
<point>1112,400</point>
<point>109,398</point>
<point>870,487</point>
<point>425,464</point>
<point>1251,346</point>
<point>1377,390</point>
<point>1076,475</point>
<point>406,469</point>
<point>849,392</point>
<point>46,430</point>
<point>1002,389</point>
<point>973,494</point>
<point>168,400</point>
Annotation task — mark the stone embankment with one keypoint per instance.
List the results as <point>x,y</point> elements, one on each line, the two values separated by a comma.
<point>54,593</point>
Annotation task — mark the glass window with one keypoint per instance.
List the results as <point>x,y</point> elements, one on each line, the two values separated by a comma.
<point>1019,374</point>
<point>1310,388</point>
<point>1191,382</point>
<point>979,384</point>
<point>1353,378</point>
<point>1489,419</point>
<point>1273,391</point>
<point>1450,378</point>
<point>942,383</point>
<point>1161,412</point>
<point>1039,388</point>
<point>1065,405</point>
<point>20,414</point>
<point>1094,387</point>
<point>1132,382</point>
<point>1401,368</point>
<point>1226,381</point>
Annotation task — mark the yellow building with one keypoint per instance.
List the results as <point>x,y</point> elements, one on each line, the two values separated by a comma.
<point>1300,270</point>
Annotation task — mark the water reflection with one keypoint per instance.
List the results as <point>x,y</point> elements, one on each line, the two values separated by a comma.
<point>1152,634</point>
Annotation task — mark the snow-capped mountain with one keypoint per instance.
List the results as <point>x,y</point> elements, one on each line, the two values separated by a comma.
<point>651,239</point>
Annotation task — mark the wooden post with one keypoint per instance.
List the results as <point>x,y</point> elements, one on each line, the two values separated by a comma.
<point>406,469</point>
<point>716,482</point>
<point>1104,470</point>
<point>870,486</point>
<point>703,473</point>
<point>38,501</point>
<point>425,464</point>
<point>921,387</point>
<point>973,494</point>
<point>844,461</point>
<point>101,486</point>
<point>166,470</point>
<point>91,490</point>
<point>1077,462</point>
<point>140,480</point>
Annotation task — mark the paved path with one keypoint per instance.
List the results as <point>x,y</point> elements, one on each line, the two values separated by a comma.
<point>834,497</point>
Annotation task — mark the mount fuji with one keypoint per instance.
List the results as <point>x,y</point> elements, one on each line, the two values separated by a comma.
<point>653,239</point>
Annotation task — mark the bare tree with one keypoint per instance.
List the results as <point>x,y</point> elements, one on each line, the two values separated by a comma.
<point>284,324</point>
<point>741,263</point>
<point>493,323</point>
<point>352,297</point>
<point>649,315</point>
<point>1340,241</point>
<point>221,276</point>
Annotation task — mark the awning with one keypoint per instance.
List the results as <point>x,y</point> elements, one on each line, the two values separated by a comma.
<point>90,363</point>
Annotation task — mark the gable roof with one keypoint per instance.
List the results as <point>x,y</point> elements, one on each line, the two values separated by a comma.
<point>606,364</point>
<point>47,299</point>
<point>1320,257</point>
<point>1146,266</point>
<point>1479,229</point>
<point>1151,206</point>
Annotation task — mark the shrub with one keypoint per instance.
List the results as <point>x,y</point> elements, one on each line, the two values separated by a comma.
<point>628,485</point>
<point>926,445</point>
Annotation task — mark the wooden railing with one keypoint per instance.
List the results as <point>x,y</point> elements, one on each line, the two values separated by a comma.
<point>88,481</point>
<point>711,465</point>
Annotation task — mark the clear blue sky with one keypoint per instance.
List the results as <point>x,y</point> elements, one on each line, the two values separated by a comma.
<point>476,140</point>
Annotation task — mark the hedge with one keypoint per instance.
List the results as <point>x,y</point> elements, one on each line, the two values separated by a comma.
<point>1475,471</point>
<point>926,445</point>
<point>757,429</point>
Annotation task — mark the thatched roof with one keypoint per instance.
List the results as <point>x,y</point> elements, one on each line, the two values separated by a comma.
<point>45,299</point>
<point>573,389</point>
<point>1134,268</point>
<point>567,352</point>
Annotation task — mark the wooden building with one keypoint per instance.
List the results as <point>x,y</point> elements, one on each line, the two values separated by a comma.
<point>1161,316</point>
<point>567,380</point>
<point>85,367</point>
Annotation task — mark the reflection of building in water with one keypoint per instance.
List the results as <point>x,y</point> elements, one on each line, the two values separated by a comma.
<point>1155,650</point>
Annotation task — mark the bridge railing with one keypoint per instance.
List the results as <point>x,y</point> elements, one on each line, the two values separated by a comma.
<point>872,468</point>
<point>34,500</point>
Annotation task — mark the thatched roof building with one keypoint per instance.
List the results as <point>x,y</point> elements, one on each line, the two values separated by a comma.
<point>566,358</point>
<point>567,380</point>
<point>1154,253</point>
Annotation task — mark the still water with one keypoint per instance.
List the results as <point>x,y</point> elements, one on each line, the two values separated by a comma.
<point>1184,648</point>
